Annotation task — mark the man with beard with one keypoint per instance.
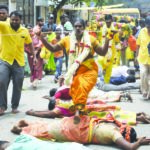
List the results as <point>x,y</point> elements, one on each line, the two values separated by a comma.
<point>14,36</point>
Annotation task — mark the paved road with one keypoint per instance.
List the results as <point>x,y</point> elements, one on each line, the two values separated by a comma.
<point>33,99</point>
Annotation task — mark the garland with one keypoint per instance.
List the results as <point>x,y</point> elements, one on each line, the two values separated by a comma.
<point>77,54</point>
<point>106,31</point>
<point>77,48</point>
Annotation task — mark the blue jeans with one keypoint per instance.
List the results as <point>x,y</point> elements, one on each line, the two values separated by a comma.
<point>58,62</point>
<point>8,72</point>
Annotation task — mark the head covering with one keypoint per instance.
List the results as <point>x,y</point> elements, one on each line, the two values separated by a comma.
<point>68,26</point>
<point>51,16</point>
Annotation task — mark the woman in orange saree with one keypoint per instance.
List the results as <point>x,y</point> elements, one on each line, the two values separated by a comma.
<point>88,130</point>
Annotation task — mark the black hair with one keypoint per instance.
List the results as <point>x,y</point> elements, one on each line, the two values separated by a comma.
<point>52,103</point>
<point>130,79</point>
<point>81,21</point>
<point>4,7</point>
<point>40,19</point>
<point>133,135</point>
<point>131,71</point>
<point>28,26</point>
<point>52,92</point>
<point>63,16</point>
<point>108,17</point>
<point>16,13</point>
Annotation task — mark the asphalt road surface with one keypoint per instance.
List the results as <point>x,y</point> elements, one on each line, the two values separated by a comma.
<point>32,99</point>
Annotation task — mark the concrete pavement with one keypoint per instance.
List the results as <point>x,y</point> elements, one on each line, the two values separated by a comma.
<point>32,99</point>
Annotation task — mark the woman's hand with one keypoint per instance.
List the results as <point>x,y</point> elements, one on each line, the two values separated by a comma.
<point>144,141</point>
<point>30,112</point>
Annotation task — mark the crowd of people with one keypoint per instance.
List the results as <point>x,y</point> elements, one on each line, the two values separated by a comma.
<point>88,48</point>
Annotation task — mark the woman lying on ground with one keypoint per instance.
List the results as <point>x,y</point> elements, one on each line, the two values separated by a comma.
<point>61,108</point>
<point>87,131</point>
<point>94,108</point>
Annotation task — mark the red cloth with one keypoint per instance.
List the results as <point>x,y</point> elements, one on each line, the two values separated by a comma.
<point>132,43</point>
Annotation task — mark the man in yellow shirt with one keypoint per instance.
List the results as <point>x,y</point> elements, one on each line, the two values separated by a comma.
<point>143,53</point>
<point>14,36</point>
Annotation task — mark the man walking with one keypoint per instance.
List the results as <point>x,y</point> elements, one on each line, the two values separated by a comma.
<point>13,36</point>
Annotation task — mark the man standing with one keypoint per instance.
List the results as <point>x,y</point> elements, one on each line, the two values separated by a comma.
<point>50,24</point>
<point>143,54</point>
<point>14,36</point>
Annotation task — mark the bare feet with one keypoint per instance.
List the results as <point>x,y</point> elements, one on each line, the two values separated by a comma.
<point>4,145</point>
<point>77,117</point>
<point>2,111</point>
<point>142,117</point>
<point>34,84</point>
<point>30,112</point>
<point>46,97</point>
<point>15,111</point>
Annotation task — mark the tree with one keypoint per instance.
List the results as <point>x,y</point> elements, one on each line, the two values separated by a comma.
<point>59,6</point>
<point>98,3</point>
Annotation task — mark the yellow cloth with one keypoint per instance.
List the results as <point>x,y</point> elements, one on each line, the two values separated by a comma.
<point>65,42</point>
<point>129,54</point>
<point>13,43</point>
<point>45,53</point>
<point>106,67</point>
<point>105,133</point>
<point>143,41</point>
<point>7,21</point>
<point>103,60</point>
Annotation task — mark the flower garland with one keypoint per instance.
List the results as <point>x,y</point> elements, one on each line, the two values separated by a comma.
<point>105,31</point>
<point>77,54</point>
<point>77,48</point>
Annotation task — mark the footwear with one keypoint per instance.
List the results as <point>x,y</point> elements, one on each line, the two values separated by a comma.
<point>34,84</point>
<point>144,96</point>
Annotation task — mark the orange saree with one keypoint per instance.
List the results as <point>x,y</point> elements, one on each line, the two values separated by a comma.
<point>83,82</point>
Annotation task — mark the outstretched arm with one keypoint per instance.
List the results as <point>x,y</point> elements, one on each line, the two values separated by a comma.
<point>122,143</point>
<point>42,114</point>
<point>102,50</point>
<point>50,47</point>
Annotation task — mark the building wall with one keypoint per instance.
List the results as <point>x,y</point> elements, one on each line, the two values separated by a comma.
<point>12,5</point>
<point>30,9</point>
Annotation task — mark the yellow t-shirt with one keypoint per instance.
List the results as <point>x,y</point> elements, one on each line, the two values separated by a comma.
<point>143,41</point>
<point>12,47</point>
